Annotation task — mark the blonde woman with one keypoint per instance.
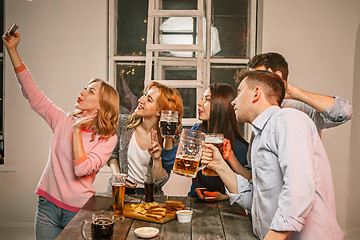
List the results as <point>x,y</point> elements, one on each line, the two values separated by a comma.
<point>81,144</point>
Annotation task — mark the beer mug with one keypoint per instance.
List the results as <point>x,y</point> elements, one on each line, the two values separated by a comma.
<point>102,226</point>
<point>118,194</point>
<point>187,161</point>
<point>216,139</point>
<point>169,123</point>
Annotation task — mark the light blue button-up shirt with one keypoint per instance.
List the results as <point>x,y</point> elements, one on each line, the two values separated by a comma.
<point>292,187</point>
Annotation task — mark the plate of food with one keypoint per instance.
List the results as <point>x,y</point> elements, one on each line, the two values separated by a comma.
<point>153,212</point>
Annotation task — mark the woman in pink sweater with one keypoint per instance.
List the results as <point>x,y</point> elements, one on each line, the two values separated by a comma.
<point>81,144</point>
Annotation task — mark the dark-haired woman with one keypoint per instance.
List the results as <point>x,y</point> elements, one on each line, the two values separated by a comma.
<point>218,116</point>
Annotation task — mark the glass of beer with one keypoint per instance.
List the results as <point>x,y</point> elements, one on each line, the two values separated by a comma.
<point>118,194</point>
<point>188,154</point>
<point>102,225</point>
<point>216,139</point>
<point>169,123</point>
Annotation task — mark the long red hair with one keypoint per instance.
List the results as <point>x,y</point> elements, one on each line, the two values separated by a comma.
<point>169,99</point>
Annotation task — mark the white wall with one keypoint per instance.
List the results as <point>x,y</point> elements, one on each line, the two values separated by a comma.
<point>64,45</point>
<point>318,39</point>
<point>352,208</point>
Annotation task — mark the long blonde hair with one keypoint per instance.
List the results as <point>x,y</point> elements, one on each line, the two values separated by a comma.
<point>169,99</point>
<point>104,124</point>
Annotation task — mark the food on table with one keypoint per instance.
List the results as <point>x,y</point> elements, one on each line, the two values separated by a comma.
<point>174,205</point>
<point>156,210</point>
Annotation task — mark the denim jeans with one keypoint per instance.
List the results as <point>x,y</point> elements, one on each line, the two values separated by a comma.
<point>50,219</point>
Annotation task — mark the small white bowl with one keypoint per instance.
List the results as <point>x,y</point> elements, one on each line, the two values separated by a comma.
<point>146,232</point>
<point>184,216</point>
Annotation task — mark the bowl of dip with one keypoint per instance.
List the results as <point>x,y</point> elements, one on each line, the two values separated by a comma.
<point>184,216</point>
<point>146,232</point>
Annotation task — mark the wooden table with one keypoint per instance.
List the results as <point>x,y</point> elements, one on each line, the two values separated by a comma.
<point>209,221</point>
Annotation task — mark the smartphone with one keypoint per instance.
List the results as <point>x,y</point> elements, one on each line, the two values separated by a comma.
<point>11,30</point>
<point>130,180</point>
<point>201,190</point>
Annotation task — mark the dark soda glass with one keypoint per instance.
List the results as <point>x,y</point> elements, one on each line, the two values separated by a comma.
<point>149,192</point>
<point>102,229</point>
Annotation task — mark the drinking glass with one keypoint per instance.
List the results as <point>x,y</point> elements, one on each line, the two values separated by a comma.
<point>149,183</point>
<point>169,123</point>
<point>118,194</point>
<point>216,139</point>
<point>188,154</point>
<point>102,226</point>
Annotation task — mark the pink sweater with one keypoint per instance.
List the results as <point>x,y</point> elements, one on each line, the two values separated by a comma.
<point>65,182</point>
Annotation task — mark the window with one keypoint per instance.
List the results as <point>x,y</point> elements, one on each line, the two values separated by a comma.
<point>226,31</point>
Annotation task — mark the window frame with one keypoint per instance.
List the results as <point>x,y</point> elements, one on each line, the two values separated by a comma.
<point>207,60</point>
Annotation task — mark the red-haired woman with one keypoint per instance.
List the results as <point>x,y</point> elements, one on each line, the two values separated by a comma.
<point>218,116</point>
<point>139,144</point>
<point>81,144</point>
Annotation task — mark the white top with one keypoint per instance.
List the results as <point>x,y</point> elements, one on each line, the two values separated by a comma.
<point>138,160</point>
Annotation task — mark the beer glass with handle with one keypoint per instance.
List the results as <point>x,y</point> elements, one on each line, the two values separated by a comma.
<point>188,154</point>
<point>169,123</point>
<point>102,226</point>
<point>118,194</point>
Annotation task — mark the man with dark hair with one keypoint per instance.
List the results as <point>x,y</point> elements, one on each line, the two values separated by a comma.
<point>291,193</point>
<point>325,111</point>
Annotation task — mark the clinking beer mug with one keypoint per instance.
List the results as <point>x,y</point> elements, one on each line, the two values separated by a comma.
<point>224,146</point>
<point>216,139</point>
<point>187,162</point>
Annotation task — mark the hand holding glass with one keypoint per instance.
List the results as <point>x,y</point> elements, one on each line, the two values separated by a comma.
<point>216,139</point>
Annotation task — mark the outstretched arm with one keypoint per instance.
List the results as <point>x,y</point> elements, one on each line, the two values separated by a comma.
<point>325,111</point>
<point>317,101</point>
<point>11,46</point>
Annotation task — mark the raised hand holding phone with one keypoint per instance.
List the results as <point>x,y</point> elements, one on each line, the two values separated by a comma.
<point>11,31</point>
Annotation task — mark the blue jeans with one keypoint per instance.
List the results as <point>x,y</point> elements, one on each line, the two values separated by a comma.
<point>50,219</point>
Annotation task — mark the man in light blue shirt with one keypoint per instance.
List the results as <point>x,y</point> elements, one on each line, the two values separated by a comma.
<point>291,192</point>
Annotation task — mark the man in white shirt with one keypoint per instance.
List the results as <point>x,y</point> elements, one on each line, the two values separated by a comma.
<point>291,194</point>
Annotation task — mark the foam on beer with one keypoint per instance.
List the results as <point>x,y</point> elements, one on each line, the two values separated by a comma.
<point>213,139</point>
